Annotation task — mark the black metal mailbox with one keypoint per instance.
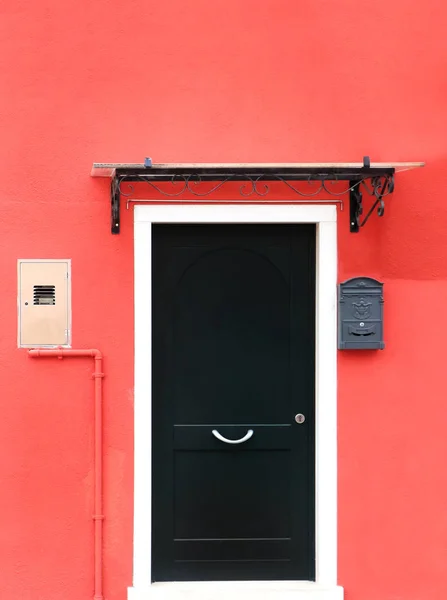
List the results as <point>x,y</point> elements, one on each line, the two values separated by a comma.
<point>360,315</point>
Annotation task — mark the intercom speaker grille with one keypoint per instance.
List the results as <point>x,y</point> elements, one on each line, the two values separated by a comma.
<point>44,294</point>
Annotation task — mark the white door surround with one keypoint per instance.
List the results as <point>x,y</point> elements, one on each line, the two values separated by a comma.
<point>325,587</point>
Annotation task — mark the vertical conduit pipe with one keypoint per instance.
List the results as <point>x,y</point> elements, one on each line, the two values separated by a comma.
<point>98,517</point>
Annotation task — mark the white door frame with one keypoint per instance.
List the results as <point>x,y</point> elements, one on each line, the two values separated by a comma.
<point>325,586</point>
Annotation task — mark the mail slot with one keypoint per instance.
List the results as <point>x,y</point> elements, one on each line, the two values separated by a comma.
<point>360,325</point>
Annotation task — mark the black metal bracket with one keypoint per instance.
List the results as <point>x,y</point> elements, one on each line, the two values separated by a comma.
<point>380,187</point>
<point>178,182</point>
<point>115,196</point>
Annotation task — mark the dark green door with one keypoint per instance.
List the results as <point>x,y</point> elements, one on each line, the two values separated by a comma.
<point>233,353</point>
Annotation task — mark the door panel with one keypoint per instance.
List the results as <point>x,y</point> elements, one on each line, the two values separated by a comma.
<point>226,345</point>
<point>233,350</point>
<point>241,489</point>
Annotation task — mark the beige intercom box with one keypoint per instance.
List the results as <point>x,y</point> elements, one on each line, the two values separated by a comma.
<point>44,303</point>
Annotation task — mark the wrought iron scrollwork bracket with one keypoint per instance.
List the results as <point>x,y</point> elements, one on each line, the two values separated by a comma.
<point>379,187</point>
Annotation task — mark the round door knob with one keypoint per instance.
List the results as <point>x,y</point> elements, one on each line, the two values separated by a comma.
<point>300,418</point>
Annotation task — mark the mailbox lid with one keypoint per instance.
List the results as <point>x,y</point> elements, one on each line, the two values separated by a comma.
<point>361,285</point>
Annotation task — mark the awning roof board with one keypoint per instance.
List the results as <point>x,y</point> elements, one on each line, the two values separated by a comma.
<point>109,169</point>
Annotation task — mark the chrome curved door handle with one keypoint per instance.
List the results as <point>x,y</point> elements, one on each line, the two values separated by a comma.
<point>246,437</point>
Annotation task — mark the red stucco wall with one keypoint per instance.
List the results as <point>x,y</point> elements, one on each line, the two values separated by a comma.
<point>275,80</point>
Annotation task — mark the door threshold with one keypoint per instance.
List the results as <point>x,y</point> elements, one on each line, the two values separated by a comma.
<point>236,590</point>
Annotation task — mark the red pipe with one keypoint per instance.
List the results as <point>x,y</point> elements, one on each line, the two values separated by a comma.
<point>98,517</point>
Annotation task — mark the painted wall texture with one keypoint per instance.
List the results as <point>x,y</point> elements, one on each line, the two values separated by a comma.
<point>220,81</point>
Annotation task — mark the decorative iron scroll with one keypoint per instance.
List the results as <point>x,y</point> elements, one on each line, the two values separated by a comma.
<point>378,187</point>
<point>192,184</point>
